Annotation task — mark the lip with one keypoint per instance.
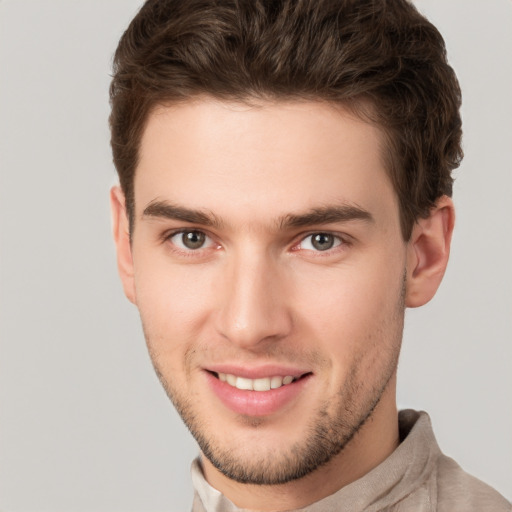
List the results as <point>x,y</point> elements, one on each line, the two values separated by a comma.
<point>256,403</point>
<point>258,372</point>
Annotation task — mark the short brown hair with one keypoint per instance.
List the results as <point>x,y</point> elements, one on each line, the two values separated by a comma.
<point>356,53</point>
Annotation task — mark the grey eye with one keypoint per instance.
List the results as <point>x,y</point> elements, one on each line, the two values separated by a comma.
<point>193,239</point>
<point>322,241</point>
<point>190,240</point>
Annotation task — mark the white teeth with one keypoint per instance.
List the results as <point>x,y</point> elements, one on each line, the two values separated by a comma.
<point>242,383</point>
<point>264,384</point>
<point>261,384</point>
<point>287,380</point>
<point>276,382</point>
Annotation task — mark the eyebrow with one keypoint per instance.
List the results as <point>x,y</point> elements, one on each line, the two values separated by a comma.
<point>321,215</point>
<point>326,215</point>
<point>166,210</point>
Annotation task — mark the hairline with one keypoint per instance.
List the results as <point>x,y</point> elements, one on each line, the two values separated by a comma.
<point>360,108</point>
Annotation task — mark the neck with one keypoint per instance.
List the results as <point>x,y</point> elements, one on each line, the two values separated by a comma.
<point>370,446</point>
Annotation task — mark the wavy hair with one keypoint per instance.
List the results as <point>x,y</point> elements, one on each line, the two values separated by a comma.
<point>380,58</point>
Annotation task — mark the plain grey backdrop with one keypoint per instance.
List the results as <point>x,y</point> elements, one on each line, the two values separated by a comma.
<point>84,424</point>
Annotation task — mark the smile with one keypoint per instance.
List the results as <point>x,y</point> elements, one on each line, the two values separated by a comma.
<point>260,395</point>
<point>263,384</point>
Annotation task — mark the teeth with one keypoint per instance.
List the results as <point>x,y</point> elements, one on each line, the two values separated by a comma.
<point>264,384</point>
<point>276,382</point>
<point>242,383</point>
<point>261,384</point>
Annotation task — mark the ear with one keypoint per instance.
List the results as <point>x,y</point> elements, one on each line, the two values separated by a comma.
<point>121,232</point>
<point>427,253</point>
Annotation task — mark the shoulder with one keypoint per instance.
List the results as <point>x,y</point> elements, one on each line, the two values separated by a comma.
<point>459,491</point>
<point>442,485</point>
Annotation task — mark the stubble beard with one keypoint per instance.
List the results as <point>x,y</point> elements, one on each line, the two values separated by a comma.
<point>329,431</point>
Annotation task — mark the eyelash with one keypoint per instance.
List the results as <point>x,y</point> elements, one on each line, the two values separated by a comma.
<point>340,242</point>
<point>167,237</point>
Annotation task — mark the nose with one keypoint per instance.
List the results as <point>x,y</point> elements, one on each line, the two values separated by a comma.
<point>253,302</point>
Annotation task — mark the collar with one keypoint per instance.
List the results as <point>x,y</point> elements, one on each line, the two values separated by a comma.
<point>403,472</point>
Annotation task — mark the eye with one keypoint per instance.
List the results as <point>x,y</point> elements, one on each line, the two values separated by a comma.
<point>191,240</point>
<point>320,242</point>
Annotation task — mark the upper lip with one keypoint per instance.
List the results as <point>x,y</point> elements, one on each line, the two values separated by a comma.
<point>258,372</point>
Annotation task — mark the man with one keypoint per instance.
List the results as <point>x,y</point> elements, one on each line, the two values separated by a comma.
<point>285,182</point>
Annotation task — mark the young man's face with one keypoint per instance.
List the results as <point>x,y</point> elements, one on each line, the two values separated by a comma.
<point>267,246</point>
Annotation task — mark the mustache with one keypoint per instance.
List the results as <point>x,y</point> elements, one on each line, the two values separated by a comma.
<point>275,352</point>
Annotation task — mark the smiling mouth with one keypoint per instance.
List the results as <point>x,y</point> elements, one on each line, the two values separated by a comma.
<point>262,384</point>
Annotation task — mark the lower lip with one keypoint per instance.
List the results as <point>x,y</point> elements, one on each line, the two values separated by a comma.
<point>256,403</point>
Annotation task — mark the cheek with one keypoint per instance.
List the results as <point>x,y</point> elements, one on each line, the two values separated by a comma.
<point>354,309</point>
<point>173,302</point>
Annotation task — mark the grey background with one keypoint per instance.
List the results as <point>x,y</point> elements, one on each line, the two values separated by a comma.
<point>84,425</point>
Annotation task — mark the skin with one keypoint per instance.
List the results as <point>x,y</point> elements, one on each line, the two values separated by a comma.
<point>258,292</point>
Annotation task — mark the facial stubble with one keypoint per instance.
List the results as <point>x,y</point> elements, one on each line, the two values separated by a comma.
<point>330,429</point>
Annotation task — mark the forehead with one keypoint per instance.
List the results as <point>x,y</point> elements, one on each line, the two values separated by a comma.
<point>254,161</point>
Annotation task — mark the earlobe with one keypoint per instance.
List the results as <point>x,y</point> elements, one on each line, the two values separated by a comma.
<point>427,253</point>
<point>121,233</point>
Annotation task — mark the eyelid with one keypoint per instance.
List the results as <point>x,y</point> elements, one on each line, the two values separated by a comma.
<point>344,241</point>
<point>210,239</point>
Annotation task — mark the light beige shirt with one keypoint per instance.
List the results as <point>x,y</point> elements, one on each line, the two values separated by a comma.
<point>415,477</point>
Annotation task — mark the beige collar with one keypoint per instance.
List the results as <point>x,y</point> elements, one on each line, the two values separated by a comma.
<point>402,473</point>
